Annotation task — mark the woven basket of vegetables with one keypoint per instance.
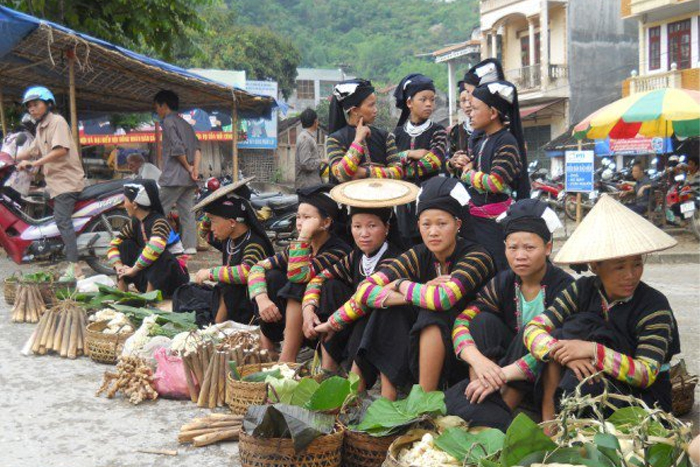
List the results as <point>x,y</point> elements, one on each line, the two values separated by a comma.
<point>683,389</point>
<point>363,450</point>
<point>48,285</point>
<point>10,289</point>
<point>105,347</point>
<point>324,451</point>
<point>242,394</point>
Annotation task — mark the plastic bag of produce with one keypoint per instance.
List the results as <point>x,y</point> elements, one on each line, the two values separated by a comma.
<point>170,376</point>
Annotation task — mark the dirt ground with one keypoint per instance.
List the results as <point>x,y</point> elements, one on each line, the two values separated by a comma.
<point>51,417</point>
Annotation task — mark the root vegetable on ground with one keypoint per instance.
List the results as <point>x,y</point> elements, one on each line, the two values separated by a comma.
<point>134,379</point>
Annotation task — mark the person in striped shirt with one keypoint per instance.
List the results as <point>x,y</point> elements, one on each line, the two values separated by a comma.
<point>231,226</point>
<point>609,327</point>
<point>487,335</point>
<point>421,143</point>
<point>139,252</point>
<point>277,284</point>
<point>355,149</point>
<point>416,297</point>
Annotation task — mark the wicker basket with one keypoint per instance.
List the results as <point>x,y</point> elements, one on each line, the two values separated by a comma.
<point>405,441</point>
<point>683,389</point>
<point>363,450</point>
<point>101,347</point>
<point>10,289</point>
<point>242,394</point>
<point>325,451</point>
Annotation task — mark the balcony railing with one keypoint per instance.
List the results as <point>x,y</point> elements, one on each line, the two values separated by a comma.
<point>675,78</point>
<point>530,77</point>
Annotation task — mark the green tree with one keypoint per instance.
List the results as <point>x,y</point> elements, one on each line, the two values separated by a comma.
<point>143,25</point>
<point>263,54</point>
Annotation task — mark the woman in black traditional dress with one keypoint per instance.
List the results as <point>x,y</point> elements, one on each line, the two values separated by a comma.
<point>231,226</point>
<point>499,167</point>
<point>356,149</point>
<point>416,297</point>
<point>421,143</point>
<point>277,284</point>
<point>488,334</point>
<point>139,252</point>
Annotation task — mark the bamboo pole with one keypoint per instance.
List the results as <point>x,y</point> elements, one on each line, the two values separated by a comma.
<point>3,122</point>
<point>73,105</point>
<point>234,138</point>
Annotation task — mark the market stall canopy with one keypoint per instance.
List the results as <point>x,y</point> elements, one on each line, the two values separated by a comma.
<point>109,78</point>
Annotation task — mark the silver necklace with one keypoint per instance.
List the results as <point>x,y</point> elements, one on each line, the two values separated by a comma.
<point>417,130</point>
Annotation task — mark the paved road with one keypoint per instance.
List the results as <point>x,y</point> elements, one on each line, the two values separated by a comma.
<point>49,415</point>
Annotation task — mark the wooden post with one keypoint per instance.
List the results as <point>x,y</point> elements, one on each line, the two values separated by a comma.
<point>73,105</point>
<point>3,122</point>
<point>159,146</point>
<point>579,213</point>
<point>234,138</point>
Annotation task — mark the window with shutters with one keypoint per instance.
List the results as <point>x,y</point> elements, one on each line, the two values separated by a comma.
<point>679,44</point>
<point>655,48</point>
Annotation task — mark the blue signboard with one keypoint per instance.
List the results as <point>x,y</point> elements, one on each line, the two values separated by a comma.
<point>579,171</point>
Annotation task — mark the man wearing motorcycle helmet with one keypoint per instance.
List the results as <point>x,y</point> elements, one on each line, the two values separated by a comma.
<point>55,152</point>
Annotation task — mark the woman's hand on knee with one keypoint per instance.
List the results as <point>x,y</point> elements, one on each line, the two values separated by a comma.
<point>310,322</point>
<point>484,368</point>
<point>565,351</point>
<point>583,369</point>
<point>477,391</point>
<point>269,311</point>
<point>201,276</point>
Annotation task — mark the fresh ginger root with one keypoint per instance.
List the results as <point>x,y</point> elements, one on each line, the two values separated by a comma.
<point>134,378</point>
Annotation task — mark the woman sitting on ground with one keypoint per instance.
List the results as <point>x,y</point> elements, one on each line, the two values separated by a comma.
<point>488,334</point>
<point>139,252</point>
<point>610,322</point>
<point>416,297</point>
<point>232,227</point>
<point>277,284</point>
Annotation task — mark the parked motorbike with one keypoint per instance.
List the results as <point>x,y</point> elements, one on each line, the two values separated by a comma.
<point>605,182</point>
<point>673,202</point>
<point>98,216</point>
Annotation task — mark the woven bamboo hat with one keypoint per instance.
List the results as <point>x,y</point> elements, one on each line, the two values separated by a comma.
<point>375,193</point>
<point>223,191</point>
<point>611,231</point>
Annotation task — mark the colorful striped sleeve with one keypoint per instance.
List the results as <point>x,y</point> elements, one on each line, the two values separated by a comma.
<point>155,246</point>
<point>340,271</point>
<point>299,268</point>
<point>238,274</point>
<point>344,162</point>
<point>654,334</point>
<point>256,275</point>
<point>486,301</point>
<point>505,168</point>
<point>537,333</point>
<point>430,163</point>
<point>394,167</point>
<point>468,275</point>
<point>113,256</point>
<point>371,293</point>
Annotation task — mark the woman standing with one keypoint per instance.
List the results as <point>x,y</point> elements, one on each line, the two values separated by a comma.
<point>488,334</point>
<point>422,144</point>
<point>277,284</point>
<point>139,252</point>
<point>496,171</point>
<point>354,148</point>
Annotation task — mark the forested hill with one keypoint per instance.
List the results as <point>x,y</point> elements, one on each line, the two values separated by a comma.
<point>376,39</point>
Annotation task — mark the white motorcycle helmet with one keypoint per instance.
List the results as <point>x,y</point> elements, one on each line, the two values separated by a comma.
<point>607,174</point>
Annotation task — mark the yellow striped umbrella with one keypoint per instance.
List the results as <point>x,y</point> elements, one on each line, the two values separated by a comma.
<point>658,113</point>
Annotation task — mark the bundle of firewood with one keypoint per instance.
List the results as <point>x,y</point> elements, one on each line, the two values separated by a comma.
<point>29,305</point>
<point>211,429</point>
<point>60,330</point>
<point>134,379</point>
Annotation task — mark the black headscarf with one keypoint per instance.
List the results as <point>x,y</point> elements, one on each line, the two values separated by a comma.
<point>236,205</point>
<point>527,216</point>
<point>145,194</point>
<point>446,194</point>
<point>407,88</point>
<point>318,196</point>
<point>484,72</point>
<point>503,96</point>
<point>346,95</point>
<point>384,214</point>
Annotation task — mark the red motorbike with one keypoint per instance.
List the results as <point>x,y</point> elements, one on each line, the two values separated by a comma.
<point>98,216</point>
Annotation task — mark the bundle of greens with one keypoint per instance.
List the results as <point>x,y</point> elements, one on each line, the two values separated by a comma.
<point>110,295</point>
<point>166,323</point>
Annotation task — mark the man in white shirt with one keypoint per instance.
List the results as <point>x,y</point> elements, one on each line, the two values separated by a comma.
<point>138,166</point>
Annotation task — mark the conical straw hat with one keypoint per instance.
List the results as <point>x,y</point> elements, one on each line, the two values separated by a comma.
<point>223,191</point>
<point>375,193</point>
<point>611,231</point>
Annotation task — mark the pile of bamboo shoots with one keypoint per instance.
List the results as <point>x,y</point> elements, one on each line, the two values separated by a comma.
<point>29,305</point>
<point>60,330</point>
<point>211,429</point>
<point>207,367</point>
<point>134,378</point>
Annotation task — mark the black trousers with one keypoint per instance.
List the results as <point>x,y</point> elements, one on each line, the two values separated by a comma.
<point>164,274</point>
<point>280,290</point>
<point>490,234</point>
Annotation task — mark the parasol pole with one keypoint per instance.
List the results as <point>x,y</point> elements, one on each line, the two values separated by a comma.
<point>579,212</point>
<point>234,137</point>
<point>159,146</point>
<point>3,122</point>
<point>73,105</point>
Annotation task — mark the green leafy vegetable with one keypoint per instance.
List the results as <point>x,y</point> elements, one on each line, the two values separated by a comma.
<point>627,418</point>
<point>261,376</point>
<point>303,392</point>
<point>287,421</point>
<point>385,417</point>
<point>38,277</point>
<point>524,437</point>
<point>180,321</point>
<point>331,395</point>
<point>472,447</point>
<point>235,374</point>
<point>281,389</point>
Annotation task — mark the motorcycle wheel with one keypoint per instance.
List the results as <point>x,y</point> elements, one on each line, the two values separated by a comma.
<point>112,222</point>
